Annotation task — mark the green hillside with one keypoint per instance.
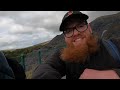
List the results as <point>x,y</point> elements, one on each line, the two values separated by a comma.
<point>16,54</point>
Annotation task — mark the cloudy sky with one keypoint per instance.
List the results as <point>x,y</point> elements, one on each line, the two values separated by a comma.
<point>19,29</point>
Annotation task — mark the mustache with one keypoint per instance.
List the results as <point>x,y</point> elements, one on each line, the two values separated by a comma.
<point>80,36</point>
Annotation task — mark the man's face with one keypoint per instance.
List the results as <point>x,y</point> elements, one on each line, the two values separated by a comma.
<point>78,37</point>
<point>80,42</point>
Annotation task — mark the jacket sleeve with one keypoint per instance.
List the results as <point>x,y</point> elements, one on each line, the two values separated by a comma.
<point>5,70</point>
<point>17,68</point>
<point>53,68</point>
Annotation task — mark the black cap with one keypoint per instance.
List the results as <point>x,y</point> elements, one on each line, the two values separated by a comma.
<point>72,14</point>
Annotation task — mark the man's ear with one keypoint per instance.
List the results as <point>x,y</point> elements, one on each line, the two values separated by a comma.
<point>90,29</point>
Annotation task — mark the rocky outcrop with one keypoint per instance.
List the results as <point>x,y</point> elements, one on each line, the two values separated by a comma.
<point>111,23</point>
<point>55,44</point>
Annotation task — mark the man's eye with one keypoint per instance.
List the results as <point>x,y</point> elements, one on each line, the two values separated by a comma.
<point>80,26</point>
<point>69,30</point>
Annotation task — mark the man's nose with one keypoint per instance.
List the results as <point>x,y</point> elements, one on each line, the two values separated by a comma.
<point>75,32</point>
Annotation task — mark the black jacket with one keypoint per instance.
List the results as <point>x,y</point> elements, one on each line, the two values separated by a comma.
<point>55,68</point>
<point>10,69</point>
<point>17,69</point>
<point>5,70</point>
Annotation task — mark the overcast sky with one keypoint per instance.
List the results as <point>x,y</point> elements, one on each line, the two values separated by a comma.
<point>19,29</point>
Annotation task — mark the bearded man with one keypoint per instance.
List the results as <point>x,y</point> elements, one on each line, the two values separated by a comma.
<point>84,57</point>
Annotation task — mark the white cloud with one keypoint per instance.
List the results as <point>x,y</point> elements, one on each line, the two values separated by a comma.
<point>20,29</point>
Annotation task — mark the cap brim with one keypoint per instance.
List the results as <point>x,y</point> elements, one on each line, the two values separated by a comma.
<point>79,16</point>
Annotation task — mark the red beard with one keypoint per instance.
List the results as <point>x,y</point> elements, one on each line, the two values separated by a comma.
<point>79,54</point>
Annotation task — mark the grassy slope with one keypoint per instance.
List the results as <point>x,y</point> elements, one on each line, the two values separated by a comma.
<point>16,54</point>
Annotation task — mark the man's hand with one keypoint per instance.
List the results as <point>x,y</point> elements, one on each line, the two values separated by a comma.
<point>97,74</point>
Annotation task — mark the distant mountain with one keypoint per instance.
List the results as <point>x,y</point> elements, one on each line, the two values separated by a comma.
<point>111,23</point>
